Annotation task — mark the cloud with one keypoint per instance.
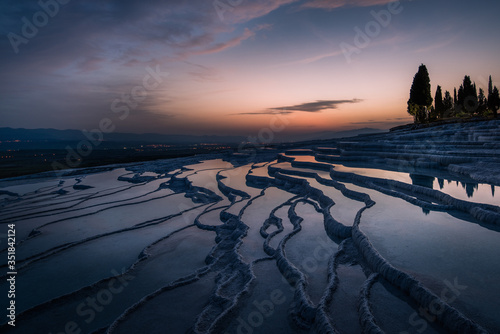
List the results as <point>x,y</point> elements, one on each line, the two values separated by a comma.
<point>437,45</point>
<point>312,107</point>
<point>269,112</point>
<point>249,10</point>
<point>333,4</point>
<point>317,106</point>
<point>102,47</point>
<point>312,59</point>
<point>204,73</point>
<point>247,33</point>
<point>113,31</point>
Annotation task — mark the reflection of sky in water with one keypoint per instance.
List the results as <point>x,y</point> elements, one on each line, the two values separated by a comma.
<point>432,246</point>
<point>378,173</point>
<point>436,247</point>
<point>472,192</point>
<point>262,171</point>
<point>288,166</point>
<point>150,174</point>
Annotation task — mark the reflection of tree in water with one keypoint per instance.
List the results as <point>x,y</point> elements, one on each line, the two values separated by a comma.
<point>469,189</point>
<point>428,182</point>
<point>422,180</point>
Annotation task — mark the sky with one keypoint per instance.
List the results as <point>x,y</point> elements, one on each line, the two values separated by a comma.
<point>234,67</point>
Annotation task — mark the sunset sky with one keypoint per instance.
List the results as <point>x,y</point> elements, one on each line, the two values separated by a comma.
<point>235,66</point>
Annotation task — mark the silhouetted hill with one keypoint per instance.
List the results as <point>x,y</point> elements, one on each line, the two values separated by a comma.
<point>337,134</point>
<point>35,137</point>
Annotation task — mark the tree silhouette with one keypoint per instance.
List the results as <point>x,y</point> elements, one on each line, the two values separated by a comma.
<point>455,99</point>
<point>459,105</point>
<point>490,87</point>
<point>420,95</point>
<point>438,103</point>
<point>494,101</point>
<point>481,102</point>
<point>469,96</point>
<point>465,101</point>
<point>447,102</point>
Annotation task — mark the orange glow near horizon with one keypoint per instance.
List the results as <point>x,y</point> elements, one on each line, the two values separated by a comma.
<point>230,76</point>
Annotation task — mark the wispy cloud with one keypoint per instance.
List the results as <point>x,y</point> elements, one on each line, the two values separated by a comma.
<point>101,47</point>
<point>437,45</point>
<point>248,10</point>
<point>312,59</point>
<point>396,39</point>
<point>268,112</point>
<point>247,33</point>
<point>316,106</point>
<point>204,73</point>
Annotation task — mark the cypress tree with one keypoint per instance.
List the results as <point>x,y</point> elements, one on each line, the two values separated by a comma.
<point>469,97</point>
<point>460,99</point>
<point>481,102</point>
<point>490,93</point>
<point>438,103</point>
<point>420,95</point>
<point>494,101</point>
<point>447,102</point>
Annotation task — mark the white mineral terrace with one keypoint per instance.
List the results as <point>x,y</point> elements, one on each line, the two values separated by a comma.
<point>394,233</point>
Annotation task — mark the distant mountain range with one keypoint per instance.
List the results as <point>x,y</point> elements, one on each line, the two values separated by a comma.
<point>52,138</point>
<point>53,135</point>
<point>325,135</point>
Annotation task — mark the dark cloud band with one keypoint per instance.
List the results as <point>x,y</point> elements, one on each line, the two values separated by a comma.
<point>317,106</point>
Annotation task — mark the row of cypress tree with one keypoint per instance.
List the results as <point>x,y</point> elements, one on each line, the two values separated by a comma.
<point>466,102</point>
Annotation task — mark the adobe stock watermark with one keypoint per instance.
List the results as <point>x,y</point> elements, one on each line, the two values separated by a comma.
<point>428,315</point>
<point>264,309</point>
<point>223,6</point>
<point>363,38</point>
<point>88,309</point>
<point>121,107</point>
<point>48,9</point>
